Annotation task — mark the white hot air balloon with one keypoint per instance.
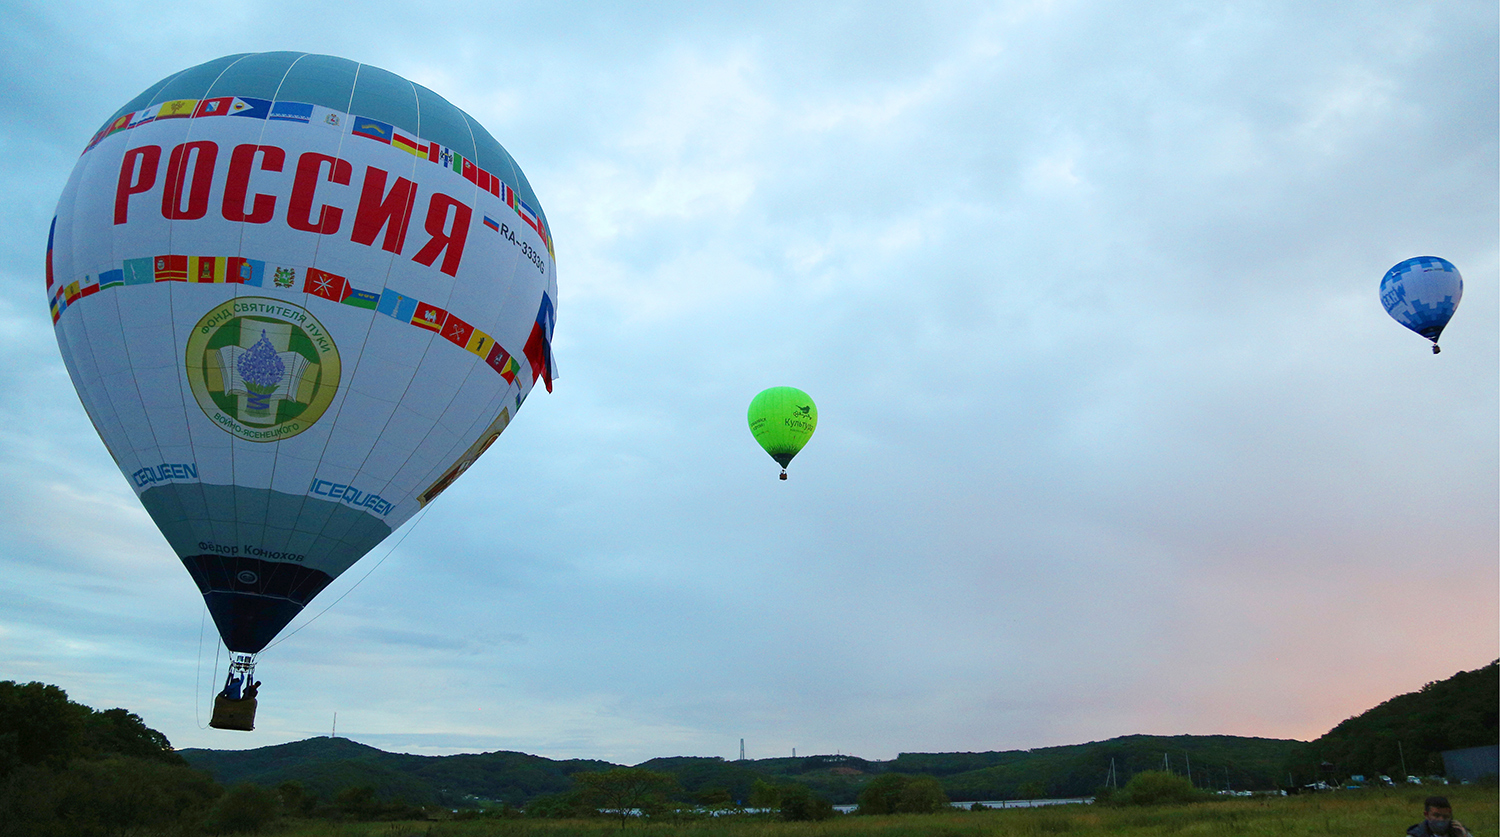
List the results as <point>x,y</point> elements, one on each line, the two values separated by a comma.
<point>298,297</point>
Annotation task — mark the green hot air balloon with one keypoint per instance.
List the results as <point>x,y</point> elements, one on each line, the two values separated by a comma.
<point>782,420</point>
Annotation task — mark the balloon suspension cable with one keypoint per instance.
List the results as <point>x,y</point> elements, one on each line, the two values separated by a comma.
<point>416,520</point>
<point>198,674</point>
<point>241,683</point>
<point>783,473</point>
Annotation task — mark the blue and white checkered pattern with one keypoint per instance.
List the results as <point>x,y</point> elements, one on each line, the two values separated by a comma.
<point>1422,293</point>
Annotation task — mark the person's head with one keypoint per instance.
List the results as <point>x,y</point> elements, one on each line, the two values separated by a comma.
<point>1438,813</point>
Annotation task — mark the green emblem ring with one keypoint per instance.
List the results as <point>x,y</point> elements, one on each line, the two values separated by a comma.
<point>262,369</point>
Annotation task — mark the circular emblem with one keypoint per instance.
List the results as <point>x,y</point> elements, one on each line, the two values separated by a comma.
<point>262,369</point>
<point>246,577</point>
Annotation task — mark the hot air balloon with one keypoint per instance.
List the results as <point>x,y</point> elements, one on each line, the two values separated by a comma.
<point>298,297</point>
<point>1422,294</point>
<point>782,419</point>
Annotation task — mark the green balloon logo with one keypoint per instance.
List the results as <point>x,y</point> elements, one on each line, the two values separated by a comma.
<point>782,419</point>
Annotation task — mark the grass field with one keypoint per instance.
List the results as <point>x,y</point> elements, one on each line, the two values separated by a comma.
<point>1365,813</point>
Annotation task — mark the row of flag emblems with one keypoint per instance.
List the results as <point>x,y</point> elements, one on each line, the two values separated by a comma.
<point>359,126</point>
<point>309,280</point>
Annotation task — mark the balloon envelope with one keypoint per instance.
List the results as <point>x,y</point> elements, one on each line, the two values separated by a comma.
<point>298,297</point>
<point>782,419</point>
<point>1422,294</point>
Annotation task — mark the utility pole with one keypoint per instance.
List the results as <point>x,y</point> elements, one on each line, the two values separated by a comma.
<point>1166,762</point>
<point>1402,752</point>
<point>335,732</point>
<point>1189,767</point>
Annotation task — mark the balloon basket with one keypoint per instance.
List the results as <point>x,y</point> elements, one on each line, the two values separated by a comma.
<point>1435,348</point>
<point>233,714</point>
<point>783,475</point>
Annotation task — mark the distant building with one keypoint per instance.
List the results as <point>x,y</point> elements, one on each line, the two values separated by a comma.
<point>1472,763</point>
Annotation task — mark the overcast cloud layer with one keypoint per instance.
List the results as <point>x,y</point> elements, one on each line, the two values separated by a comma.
<point>1115,436</point>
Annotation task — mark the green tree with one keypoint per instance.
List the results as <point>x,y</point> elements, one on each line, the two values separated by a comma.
<point>122,732</point>
<point>101,797</point>
<point>922,795</point>
<point>294,799</point>
<point>882,794</point>
<point>798,803</point>
<point>38,725</point>
<point>625,791</point>
<point>897,793</point>
<point>717,797</point>
<point>1031,789</point>
<point>765,794</point>
<point>558,806</point>
<point>245,808</point>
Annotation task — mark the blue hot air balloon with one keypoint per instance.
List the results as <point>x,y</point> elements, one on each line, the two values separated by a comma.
<point>1422,294</point>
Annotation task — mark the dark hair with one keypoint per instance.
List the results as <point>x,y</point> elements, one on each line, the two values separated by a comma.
<point>1435,802</point>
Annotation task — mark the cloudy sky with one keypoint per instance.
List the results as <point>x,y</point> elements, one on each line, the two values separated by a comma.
<point>1115,436</point>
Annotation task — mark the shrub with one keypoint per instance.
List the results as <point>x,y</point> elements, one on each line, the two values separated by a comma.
<point>896,793</point>
<point>1155,787</point>
<point>117,795</point>
<point>245,808</point>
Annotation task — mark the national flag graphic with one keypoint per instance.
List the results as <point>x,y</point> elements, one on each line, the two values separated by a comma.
<point>455,161</point>
<point>56,310</point>
<point>326,285</point>
<point>397,306</point>
<point>407,144</point>
<point>111,279</point>
<point>369,128</point>
<point>118,125</point>
<point>527,214</point>
<point>503,363</point>
<point>480,343</point>
<point>88,287</point>
<point>457,331</point>
<point>139,271</point>
<point>492,223</point>
<point>429,316</point>
<point>94,140</point>
<point>72,292</point>
<point>141,117</point>
<point>291,111</point>
<point>539,345</point>
<point>51,233</point>
<point>253,108</point>
<point>207,269</point>
<point>470,171</point>
<point>176,109</point>
<point>362,299</point>
<point>284,277</point>
<point>171,268</point>
<point>328,117</point>
<point>507,195</point>
<point>242,271</point>
<point>214,107</point>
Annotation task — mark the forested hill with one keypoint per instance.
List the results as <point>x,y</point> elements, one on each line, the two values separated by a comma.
<point>323,766</point>
<point>1458,712</point>
<point>1414,729</point>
